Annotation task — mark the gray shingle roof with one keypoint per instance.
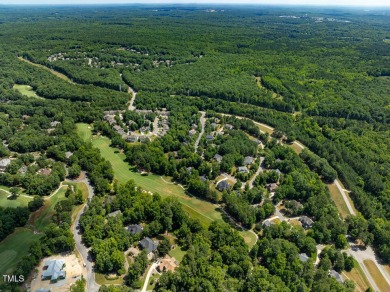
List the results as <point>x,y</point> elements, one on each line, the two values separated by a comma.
<point>148,244</point>
<point>134,229</point>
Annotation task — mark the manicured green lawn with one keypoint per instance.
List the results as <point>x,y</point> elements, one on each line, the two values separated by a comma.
<point>26,90</point>
<point>21,201</point>
<point>249,238</point>
<point>202,210</point>
<point>177,253</point>
<point>13,248</point>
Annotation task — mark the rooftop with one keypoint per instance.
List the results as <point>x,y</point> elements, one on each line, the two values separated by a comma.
<point>54,270</point>
<point>148,244</point>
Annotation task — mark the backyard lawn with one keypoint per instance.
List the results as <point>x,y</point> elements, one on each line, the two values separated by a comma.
<point>26,90</point>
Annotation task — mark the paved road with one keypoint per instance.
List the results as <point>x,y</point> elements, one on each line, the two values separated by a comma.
<point>368,254</point>
<point>259,170</point>
<point>202,122</point>
<point>92,286</point>
<point>133,95</point>
<point>154,265</point>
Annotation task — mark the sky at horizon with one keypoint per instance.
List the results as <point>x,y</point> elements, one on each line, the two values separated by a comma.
<point>372,3</point>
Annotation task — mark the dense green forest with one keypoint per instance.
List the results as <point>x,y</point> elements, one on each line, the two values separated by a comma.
<point>320,76</point>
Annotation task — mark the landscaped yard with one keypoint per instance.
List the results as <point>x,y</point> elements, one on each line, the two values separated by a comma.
<point>102,280</point>
<point>177,253</point>
<point>13,248</point>
<point>20,201</point>
<point>26,90</point>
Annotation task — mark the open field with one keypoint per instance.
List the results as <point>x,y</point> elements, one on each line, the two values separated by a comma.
<point>338,200</point>
<point>357,275</point>
<point>21,201</point>
<point>58,74</point>
<point>377,275</point>
<point>13,248</point>
<point>26,90</point>
<point>41,218</point>
<point>202,210</point>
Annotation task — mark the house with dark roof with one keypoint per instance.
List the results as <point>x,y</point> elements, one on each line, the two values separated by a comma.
<point>218,158</point>
<point>248,160</point>
<point>209,137</point>
<point>203,178</point>
<point>54,270</point>
<point>223,185</point>
<point>306,222</point>
<point>337,276</point>
<point>148,244</point>
<point>134,229</point>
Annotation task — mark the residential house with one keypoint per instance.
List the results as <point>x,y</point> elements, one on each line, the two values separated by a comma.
<point>144,139</point>
<point>135,229</point>
<point>248,160</point>
<point>148,244</point>
<point>203,178</point>
<point>243,169</point>
<point>115,213</point>
<point>223,185</point>
<point>229,127</point>
<point>45,171</point>
<point>337,276</point>
<point>68,154</point>
<point>132,138</point>
<point>54,270</point>
<point>272,187</point>
<point>192,132</point>
<point>267,223</point>
<point>306,222</point>
<point>4,163</point>
<point>54,124</point>
<point>209,137</point>
<point>303,257</point>
<point>214,125</point>
<point>218,158</point>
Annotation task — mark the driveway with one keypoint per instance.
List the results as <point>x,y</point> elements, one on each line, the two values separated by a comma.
<point>80,247</point>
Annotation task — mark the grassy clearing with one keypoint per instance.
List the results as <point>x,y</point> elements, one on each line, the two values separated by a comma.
<point>177,253</point>
<point>58,74</point>
<point>102,280</point>
<point>196,208</point>
<point>26,90</point>
<point>13,248</point>
<point>41,218</point>
<point>20,201</point>
<point>249,238</point>
<point>338,199</point>
<point>83,187</point>
<point>298,150</point>
<point>357,275</point>
<point>380,281</point>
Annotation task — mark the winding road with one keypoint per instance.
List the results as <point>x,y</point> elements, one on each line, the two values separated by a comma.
<point>259,170</point>
<point>202,122</point>
<point>91,285</point>
<point>154,265</point>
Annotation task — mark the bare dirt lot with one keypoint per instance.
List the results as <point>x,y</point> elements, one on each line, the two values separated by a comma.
<point>73,270</point>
